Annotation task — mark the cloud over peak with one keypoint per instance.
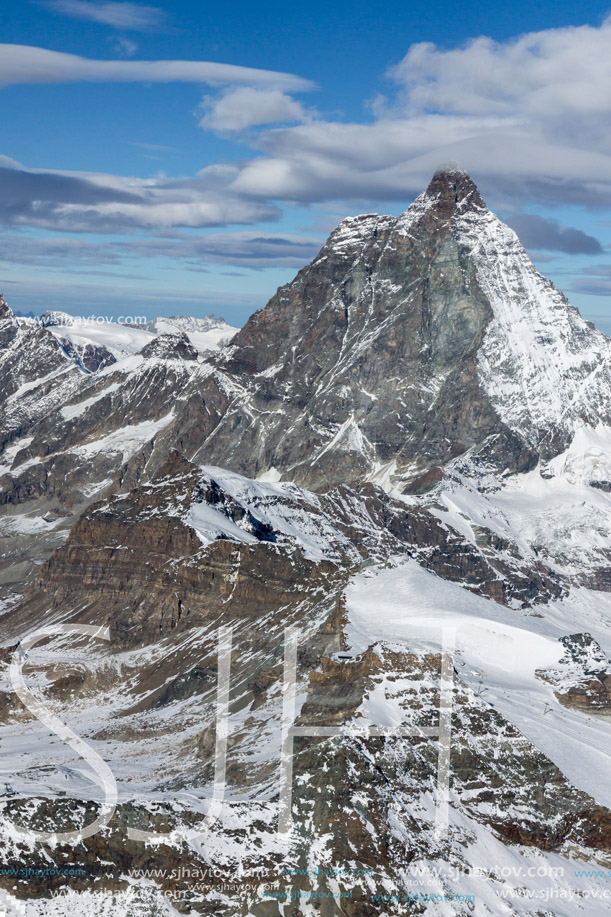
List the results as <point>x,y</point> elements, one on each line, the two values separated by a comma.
<point>510,112</point>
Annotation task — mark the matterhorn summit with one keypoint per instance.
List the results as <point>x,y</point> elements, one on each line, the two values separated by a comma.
<point>409,341</point>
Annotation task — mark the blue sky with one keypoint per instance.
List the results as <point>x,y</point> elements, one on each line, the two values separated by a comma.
<point>184,158</point>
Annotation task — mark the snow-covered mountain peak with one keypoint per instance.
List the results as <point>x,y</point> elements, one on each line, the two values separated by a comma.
<point>407,342</point>
<point>187,323</point>
<point>404,452</point>
<point>95,342</point>
<point>52,317</point>
<point>427,336</point>
<point>5,310</point>
<point>454,189</point>
<point>450,191</point>
<point>173,346</point>
<point>208,333</point>
<point>545,369</point>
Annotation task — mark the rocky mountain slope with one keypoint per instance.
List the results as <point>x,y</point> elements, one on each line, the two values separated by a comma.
<point>369,581</point>
<point>395,483</point>
<point>408,341</point>
<point>79,400</point>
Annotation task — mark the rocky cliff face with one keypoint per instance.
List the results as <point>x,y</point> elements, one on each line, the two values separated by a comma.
<point>409,341</point>
<point>75,417</point>
<point>34,370</point>
<point>189,521</point>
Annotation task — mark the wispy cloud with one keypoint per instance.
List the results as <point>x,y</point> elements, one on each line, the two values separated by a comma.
<point>125,46</point>
<point>83,298</point>
<point>245,249</point>
<point>595,280</point>
<point>153,147</point>
<point>88,202</point>
<point>537,232</point>
<point>18,249</point>
<point>129,16</point>
<point>27,64</point>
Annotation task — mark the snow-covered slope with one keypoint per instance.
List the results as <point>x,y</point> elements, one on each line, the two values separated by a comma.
<point>498,654</point>
<point>370,582</point>
<point>207,333</point>
<point>122,339</point>
<point>546,370</point>
<point>560,512</point>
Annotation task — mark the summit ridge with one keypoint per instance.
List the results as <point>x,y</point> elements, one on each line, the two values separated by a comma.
<point>407,343</point>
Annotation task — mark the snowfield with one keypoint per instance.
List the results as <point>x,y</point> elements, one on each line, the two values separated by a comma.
<point>125,339</point>
<point>498,651</point>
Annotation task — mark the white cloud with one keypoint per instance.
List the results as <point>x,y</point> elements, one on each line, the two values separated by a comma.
<point>130,16</point>
<point>545,74</point>
<point>393,159</point>
<point>94,202</point>
<point>27,64</point>
<point>530,118</point>
<point>125,46</point>
<point>238,109</point>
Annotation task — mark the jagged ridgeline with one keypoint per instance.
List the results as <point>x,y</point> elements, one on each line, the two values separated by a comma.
<point>408,341</point>
<point>401,464</point>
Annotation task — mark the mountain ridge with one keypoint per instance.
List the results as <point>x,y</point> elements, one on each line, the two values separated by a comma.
<point>415,295</point>
<point>393,354</point>
<point>175,497</point>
